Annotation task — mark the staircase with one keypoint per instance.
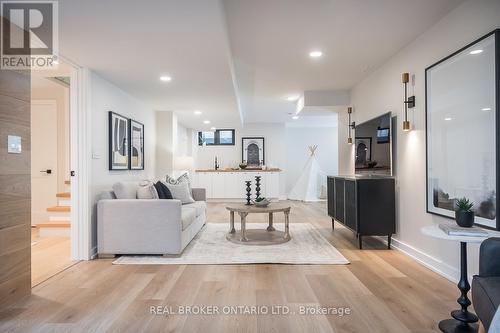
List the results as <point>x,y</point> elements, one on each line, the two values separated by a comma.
<point>59,217</point>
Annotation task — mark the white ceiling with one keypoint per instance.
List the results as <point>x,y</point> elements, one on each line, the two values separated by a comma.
<point>251,51</point>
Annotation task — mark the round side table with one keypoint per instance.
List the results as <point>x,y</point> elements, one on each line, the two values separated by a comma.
<point>463,320</point>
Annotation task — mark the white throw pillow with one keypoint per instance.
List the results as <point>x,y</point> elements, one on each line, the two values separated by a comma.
<point>146,190</point>
<point>125,190</point>
<point>181,192</point>
<point>184,178</point>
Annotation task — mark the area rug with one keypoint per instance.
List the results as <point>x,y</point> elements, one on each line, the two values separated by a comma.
<point>210,247</point>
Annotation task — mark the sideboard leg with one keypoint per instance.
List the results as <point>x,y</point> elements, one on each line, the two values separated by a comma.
<point>389,238</point>
<point>333,224</point>
<point>360,241</point>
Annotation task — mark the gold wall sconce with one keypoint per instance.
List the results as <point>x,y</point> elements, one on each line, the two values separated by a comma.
<point>409,102</point>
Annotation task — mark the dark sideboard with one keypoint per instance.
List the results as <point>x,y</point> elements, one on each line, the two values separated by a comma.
<point>364,204</point>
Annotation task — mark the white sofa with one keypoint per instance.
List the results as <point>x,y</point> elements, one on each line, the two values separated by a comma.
<point>148,226</point>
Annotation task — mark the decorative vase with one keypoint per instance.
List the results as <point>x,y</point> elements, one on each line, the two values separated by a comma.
<point>464,219</point>
<point>249,190</point>
<point>257,187</point>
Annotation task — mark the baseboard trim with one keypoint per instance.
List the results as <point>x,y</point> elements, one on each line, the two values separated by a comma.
<point>448,272</point>
<point>93,253</point>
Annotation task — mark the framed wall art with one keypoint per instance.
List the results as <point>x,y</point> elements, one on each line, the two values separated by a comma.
<point>462,123</point>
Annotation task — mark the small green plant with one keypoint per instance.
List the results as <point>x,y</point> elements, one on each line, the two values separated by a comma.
<point>464,205</point>
<point>259,199</point>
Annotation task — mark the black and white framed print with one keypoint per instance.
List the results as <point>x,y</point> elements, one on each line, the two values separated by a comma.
<point>119,141</point>
<point>136,145</point>
<point>462,123</point>
<point>252,151</point>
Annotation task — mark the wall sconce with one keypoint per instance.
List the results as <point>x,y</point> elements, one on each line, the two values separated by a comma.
<point>352,125</point>
<point>409,102</point>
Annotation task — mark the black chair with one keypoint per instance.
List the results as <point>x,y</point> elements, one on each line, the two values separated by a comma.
<point>486,285</point>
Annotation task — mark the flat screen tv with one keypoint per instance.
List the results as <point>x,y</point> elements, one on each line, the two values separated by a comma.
<point>373,146</point>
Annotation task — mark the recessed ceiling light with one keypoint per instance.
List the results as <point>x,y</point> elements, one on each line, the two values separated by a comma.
<point>213,128</point>
<point>292,98</point>
<point>165,78</point>
<point>476,51</point>
<point>315,54</point>
<point>447,118</point>
<point>197,112</point>
<point>206,121</point>
<point>295,117</point>
<point>486,109</point>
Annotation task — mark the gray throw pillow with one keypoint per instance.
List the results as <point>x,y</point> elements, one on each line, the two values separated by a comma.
<point>181,192</point>
<point>125,190</point>
<point>147,190</point>
<point>184,178</point>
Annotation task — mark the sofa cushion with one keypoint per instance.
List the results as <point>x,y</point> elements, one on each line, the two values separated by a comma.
<point>125,190</point>
<point>163,191</point>
<point>188,215</point>
<point>486,297</point>
<point>147,190</point>
<point>199,206</point>
<point>181,192</point>
<point>184,178</point>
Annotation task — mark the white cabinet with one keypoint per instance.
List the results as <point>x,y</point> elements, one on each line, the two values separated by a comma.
<point>231,185</point>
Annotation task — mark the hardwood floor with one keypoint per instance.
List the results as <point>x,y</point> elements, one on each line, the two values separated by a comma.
<point>384,290</point>
<point>49,256</point>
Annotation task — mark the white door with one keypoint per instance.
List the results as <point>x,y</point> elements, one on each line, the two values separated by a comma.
<point>43,158</point>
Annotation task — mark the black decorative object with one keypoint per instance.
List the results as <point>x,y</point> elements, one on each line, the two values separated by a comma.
<point>463,96</point>
<point>249,190</point>
<point>464,321</point>
<point>257,187</point>
<point>119,142</point>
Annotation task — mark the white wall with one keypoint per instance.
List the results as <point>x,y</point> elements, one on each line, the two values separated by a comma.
<point>298,139</point>
<point>285,148</point>
<point>382,91</point>
<point>230,156</point>
<point>107,97</point>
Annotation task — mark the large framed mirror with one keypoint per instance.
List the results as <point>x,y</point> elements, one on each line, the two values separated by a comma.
<point>462,123</point>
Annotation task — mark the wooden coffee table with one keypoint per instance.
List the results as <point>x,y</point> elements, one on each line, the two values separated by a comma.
<point>268,236</point>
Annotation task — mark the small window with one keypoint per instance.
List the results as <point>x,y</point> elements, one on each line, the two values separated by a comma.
<point>220,137</point>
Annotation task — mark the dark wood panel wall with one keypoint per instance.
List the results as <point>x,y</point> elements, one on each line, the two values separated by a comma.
<point>15,188</point>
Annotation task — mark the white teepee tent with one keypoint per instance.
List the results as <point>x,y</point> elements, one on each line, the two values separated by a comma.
<point>308,186</point>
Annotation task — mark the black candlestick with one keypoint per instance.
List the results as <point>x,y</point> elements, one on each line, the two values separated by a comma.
<point>249,189</point>
<point>464,321</point>
<point>257,187</point>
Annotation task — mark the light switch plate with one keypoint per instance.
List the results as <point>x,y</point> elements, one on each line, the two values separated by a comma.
<point>14,144</point>
<point>96,155</point>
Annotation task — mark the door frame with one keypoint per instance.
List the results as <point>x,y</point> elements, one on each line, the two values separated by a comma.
<point>80,143</point>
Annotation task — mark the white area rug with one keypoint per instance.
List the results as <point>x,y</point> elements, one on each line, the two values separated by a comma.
<point>210,247</point>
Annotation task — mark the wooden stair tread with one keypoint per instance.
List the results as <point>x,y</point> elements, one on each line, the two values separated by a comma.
<point>59,209</point>
<point>63,195</point>
<point>53,225</point>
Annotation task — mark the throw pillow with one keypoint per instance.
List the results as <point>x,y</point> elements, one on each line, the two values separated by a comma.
<point>181,192</point>
<point>163,191</point>
<point>125,190</point>
<point>184,178</point>
<point>147,190</point>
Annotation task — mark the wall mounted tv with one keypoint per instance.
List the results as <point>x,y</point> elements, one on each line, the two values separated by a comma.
<point>373,146</point>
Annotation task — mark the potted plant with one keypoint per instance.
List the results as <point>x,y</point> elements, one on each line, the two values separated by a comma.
<point>464,215</point>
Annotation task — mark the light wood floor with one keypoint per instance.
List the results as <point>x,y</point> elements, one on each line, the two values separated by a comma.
<point>385,291</point>
<point>49,256</point>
